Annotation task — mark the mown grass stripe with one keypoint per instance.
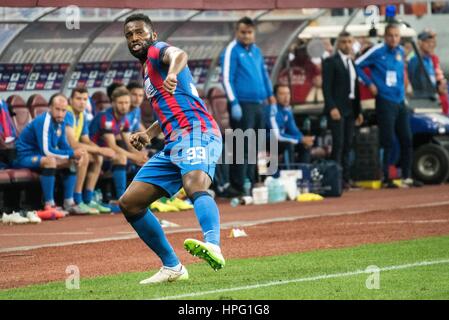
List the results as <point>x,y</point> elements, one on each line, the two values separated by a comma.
<point>307,279</point>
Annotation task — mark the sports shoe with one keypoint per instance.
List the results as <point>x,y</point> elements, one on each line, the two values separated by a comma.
<point>167,224</point>
<point>49,214</point>
<point>209,252</point>
<point>389,184</point>
<point>95,205</point>
<point>88,209</point>
<point>167,275</point>
<point>33,218</point>
<point>75,209</point>
<point>59,212</point>
<point>180,204</point>
<point>14,218</point>
<point>409,182</point>
<point>113,205</point>
<point>163,207</point>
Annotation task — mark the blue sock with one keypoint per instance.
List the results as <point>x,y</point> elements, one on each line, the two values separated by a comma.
<point>77,196</point>
<point>47,179</point>
<point>88,195</point>
<point>150,231</point>
<point>119,175</point>
<point>206,211</point>
<point>69,184</point>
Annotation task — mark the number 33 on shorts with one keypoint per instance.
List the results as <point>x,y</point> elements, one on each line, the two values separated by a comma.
<point>196,154</point>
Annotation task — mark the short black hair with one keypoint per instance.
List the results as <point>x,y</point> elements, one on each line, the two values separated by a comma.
<point>391,25</point>
<point>344,34</point>
<point>134,85</point>
<point>245,20</point>
<point>140,17</point>
<point>279,85</point>
<point>112,87</point>
<point>54,96</point>
<point>79,89</point>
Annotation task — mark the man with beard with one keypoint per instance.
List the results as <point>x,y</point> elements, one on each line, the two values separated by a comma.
<point>192,148</point>
<point>110,128</point>
<point>43,146</point>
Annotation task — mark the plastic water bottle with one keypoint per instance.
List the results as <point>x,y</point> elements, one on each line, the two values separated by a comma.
<point>235,202</point>
<point>307,126</point>
<point>98,196</point>
<point>245,200</point>
<point>276,191</point>
<point>323,123</point>
<point>247,187</point>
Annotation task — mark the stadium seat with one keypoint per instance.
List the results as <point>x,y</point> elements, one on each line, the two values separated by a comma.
<point>22,114</point>
<point>219,107</point>
<point>101,101</point>
<point>37,105</point>
<point>201,93</point>
<point>22,175</point>
<point>4,178</point>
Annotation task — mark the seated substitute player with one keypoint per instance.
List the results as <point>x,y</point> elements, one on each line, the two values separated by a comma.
<point>43,146</point>
<point>135,118</point>
<point>192,148</point>
<point>78,137</point>
<point>110,128</point>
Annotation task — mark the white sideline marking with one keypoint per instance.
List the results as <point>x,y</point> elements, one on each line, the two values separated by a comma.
<point>396,222</point>
<point>307,279</point>
<point>46,234</point>
<point>224,226</point>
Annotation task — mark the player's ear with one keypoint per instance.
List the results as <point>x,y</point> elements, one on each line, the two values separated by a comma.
<point>153,36</point>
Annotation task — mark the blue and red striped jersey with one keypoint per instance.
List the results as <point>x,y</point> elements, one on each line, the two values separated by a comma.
<point>184,109</point>
<point>106,122</point>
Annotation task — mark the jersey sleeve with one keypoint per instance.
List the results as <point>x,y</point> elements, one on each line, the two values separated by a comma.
<point>45,134</point>
<point>229,65</point>
<point>69,120</point>
<point>366,60</point>
<point>266,76</point>
<point>126,125</point>
<point>105,125</point>
<point>157,50</point>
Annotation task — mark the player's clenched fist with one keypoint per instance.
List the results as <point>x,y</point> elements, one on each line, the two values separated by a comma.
<point>139,140</point>
<point>170,83</point>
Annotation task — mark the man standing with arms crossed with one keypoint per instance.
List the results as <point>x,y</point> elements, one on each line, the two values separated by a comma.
<point>387,85</point>
<point>192,148</point>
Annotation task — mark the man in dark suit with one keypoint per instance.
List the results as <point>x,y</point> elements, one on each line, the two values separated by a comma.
<point>342,101</point>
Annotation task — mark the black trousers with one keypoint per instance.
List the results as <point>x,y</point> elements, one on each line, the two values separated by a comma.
<point>394,118</point>
<point>252,118</point>
<point>342,138</point>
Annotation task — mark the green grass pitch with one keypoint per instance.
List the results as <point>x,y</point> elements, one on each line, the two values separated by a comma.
<point>321,274</point>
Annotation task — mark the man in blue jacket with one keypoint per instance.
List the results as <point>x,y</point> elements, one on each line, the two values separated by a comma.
<point>281,123</point>
<point>248,87</point>
<point>43,146</point>
<point>386,62</point>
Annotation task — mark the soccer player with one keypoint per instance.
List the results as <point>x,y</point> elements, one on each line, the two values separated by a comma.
<point>78,137</point>
<point>192,148</point>
<point>43,146</point>
<point>110,128</point>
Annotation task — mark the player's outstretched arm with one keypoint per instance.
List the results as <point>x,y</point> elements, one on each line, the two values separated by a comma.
<point>177,61</point>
